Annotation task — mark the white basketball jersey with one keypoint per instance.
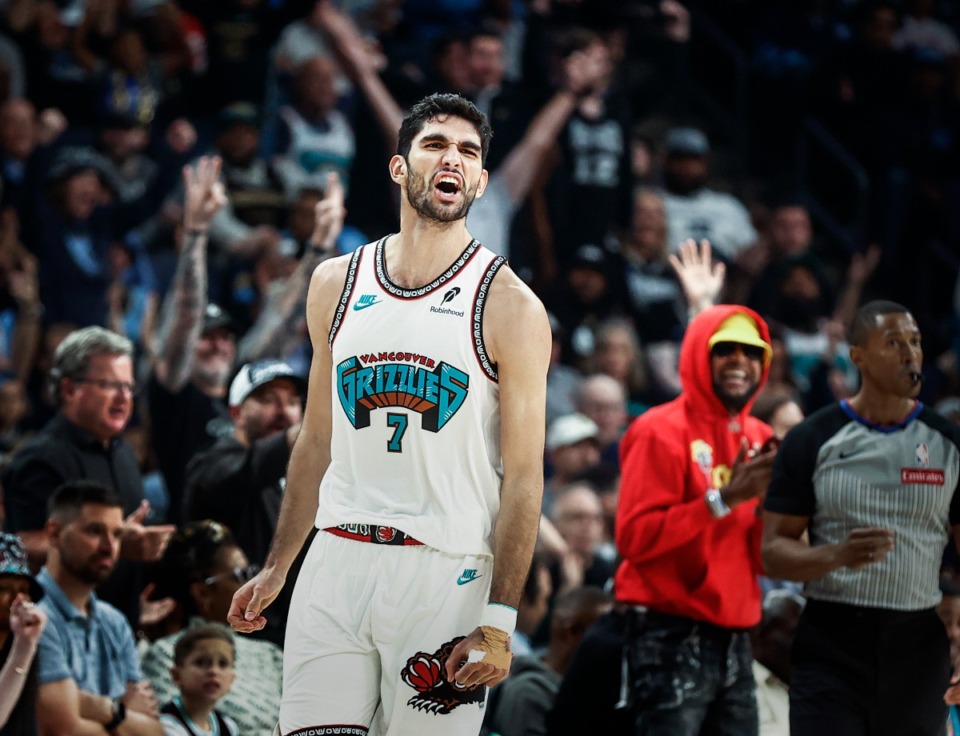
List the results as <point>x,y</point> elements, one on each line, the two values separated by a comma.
<point>416,419</point>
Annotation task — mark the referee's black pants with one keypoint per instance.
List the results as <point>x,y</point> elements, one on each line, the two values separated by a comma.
<point>868,672</point>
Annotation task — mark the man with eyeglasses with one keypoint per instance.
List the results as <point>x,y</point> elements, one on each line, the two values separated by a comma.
<point>689,534</point>
<point>92,383</point>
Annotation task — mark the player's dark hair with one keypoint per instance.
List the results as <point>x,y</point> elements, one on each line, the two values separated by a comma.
<point>866,319</point>
<point>188,642</point>
<point>443,105</point>
<point>68,499</point>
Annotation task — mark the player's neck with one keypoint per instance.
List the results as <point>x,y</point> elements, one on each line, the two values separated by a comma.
<point>421,252</point>
<point>881,408</point>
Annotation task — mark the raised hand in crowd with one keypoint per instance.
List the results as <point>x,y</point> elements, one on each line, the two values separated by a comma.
<point>26,620</point>
<point>204,194</point>
<point>144,543</point>
<point>282,316</point>
<point>26,624</point>
<point>676,24</point>
<point>51,124</point>
<point>585,71</point>
<point>701,278</point>
<point>329,215</point>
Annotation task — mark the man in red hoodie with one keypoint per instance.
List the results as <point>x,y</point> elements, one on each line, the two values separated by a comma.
<point>689,534</point>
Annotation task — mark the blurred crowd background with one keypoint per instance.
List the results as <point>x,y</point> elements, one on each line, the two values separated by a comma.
<point>815,144</point>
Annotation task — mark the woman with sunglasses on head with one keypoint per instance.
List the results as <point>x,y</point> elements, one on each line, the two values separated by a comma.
<point>201,570</point>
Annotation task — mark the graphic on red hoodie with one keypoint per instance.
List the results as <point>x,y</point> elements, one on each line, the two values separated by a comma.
<point>677,558</point>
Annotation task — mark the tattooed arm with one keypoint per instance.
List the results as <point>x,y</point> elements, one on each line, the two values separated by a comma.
<point>203,198</point>
<point>281,320</point>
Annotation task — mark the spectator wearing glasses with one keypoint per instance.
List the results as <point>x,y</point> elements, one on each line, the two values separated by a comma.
<point>689,534</point>
<point>92,384</point>
<point>201,570</point>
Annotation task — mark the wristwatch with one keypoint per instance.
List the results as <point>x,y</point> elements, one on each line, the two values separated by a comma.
<point>119,715</point>
<point>715,503</point>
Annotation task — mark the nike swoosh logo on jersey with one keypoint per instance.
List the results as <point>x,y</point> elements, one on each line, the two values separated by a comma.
<point>366,300</point>
<point>468,576</point>
<point>848,453</point>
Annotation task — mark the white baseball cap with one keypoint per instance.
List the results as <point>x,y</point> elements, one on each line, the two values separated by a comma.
<point>254,375</point>
<point>571,429</point>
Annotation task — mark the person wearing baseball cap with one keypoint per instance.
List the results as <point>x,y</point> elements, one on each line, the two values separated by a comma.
<point>239,480</point>
<point>572,445</point>
<point>694,210</point>
<point>21,624</point>
<point>688,530</point>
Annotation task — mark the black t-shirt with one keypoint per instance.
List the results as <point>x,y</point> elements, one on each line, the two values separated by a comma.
<point>182,424</point>
<point>62,452</point>
<point>242,487</point>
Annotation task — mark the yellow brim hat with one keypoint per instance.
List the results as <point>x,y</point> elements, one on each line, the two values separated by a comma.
<point>740,328</point>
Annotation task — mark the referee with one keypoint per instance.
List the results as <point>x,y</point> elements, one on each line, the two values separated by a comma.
<point>873,482</point>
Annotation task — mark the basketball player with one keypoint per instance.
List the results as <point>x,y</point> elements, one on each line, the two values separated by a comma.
<point>423,430</point>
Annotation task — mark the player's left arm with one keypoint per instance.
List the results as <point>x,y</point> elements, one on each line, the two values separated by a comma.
<point>517,337</point>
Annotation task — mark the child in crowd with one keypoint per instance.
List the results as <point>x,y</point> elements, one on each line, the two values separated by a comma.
<point>203,670</point>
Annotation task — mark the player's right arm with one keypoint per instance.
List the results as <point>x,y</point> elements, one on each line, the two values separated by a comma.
<point>308,460</point>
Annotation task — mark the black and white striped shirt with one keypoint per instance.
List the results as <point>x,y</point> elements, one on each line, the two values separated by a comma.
<point>846,473</point>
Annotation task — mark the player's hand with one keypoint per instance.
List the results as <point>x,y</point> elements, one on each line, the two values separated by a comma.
<point>864,546</point>
<point>485,656</point>
<point>749,476</point>
<point>246,608</point>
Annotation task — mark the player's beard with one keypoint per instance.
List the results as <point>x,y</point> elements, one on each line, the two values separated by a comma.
<point>419,195</point>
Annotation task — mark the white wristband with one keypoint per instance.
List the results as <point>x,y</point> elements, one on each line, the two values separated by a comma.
<point>499,616</point>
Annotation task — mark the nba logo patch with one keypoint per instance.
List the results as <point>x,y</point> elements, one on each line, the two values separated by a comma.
<point>923,455</point>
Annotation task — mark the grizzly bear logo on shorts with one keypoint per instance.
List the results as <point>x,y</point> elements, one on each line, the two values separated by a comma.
<point>425,673</point>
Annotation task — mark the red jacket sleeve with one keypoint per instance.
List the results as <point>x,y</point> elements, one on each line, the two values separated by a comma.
<point>659,508</point>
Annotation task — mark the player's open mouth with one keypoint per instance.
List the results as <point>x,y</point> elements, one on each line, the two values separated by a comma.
<point>447,186</point>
